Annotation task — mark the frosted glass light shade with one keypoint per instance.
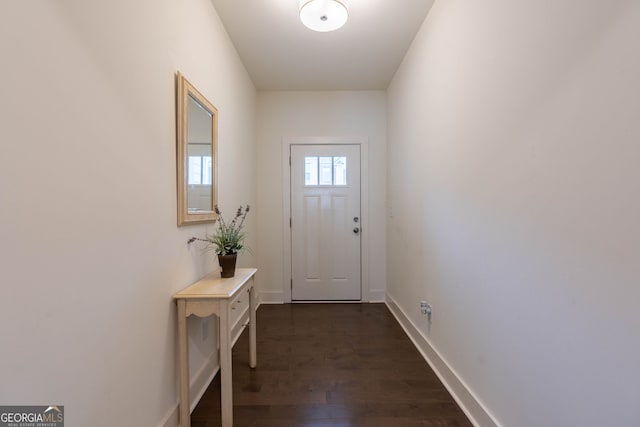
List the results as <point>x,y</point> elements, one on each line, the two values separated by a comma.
<point>324,15</point>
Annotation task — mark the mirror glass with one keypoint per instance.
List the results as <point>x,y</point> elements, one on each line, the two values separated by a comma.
<point>196,149</point>
<point>199,157</point>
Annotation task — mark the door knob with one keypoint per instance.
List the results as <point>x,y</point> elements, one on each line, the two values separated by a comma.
<point>356,230</point>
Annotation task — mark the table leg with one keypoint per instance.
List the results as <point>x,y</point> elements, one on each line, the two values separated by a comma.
<point>226,391</point>
<point>183,361</point>
<point>252,326</point>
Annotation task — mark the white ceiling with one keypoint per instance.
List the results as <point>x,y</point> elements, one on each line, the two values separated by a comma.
<point>282,54</point>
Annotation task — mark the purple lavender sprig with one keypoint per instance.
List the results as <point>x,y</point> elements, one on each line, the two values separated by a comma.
<point>228,238</point>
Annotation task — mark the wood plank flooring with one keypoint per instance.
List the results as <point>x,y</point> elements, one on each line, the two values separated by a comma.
<point>333,365</point>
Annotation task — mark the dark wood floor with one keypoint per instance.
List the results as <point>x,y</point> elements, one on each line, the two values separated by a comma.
<point>347,365</point>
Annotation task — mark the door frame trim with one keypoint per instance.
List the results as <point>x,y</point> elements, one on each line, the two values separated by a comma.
<point>363,142</point>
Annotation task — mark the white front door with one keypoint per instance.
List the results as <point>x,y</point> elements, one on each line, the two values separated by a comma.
<point>325,222</point>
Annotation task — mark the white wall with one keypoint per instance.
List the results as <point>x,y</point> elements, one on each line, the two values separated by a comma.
<point>513,183</point>
<point>316,114</point>
<point>89,248</point>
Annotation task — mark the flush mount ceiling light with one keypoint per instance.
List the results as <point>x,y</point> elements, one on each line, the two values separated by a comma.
<point>324,15</point>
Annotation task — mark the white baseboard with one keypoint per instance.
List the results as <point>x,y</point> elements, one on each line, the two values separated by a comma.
<point>197,389</point>
<point>171,419</point>
<point>377,295</point>
<point>471,406</point>
<point>271,297</point>
<point>277,297</point>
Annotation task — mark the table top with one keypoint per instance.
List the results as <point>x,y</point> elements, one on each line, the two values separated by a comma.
<point>212,286</point>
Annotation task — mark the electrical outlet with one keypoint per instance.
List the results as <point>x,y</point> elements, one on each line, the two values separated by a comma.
<point>425,308</point>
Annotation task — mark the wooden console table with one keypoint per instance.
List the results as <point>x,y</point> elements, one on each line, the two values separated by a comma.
<point>214,295</point>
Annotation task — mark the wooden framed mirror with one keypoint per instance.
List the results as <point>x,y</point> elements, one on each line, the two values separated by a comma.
<point>197,154</point>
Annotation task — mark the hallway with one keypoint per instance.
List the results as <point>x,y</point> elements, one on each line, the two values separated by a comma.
<point>348,365</point>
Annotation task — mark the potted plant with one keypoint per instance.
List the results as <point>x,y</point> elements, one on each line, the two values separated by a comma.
<point>227,240</point>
